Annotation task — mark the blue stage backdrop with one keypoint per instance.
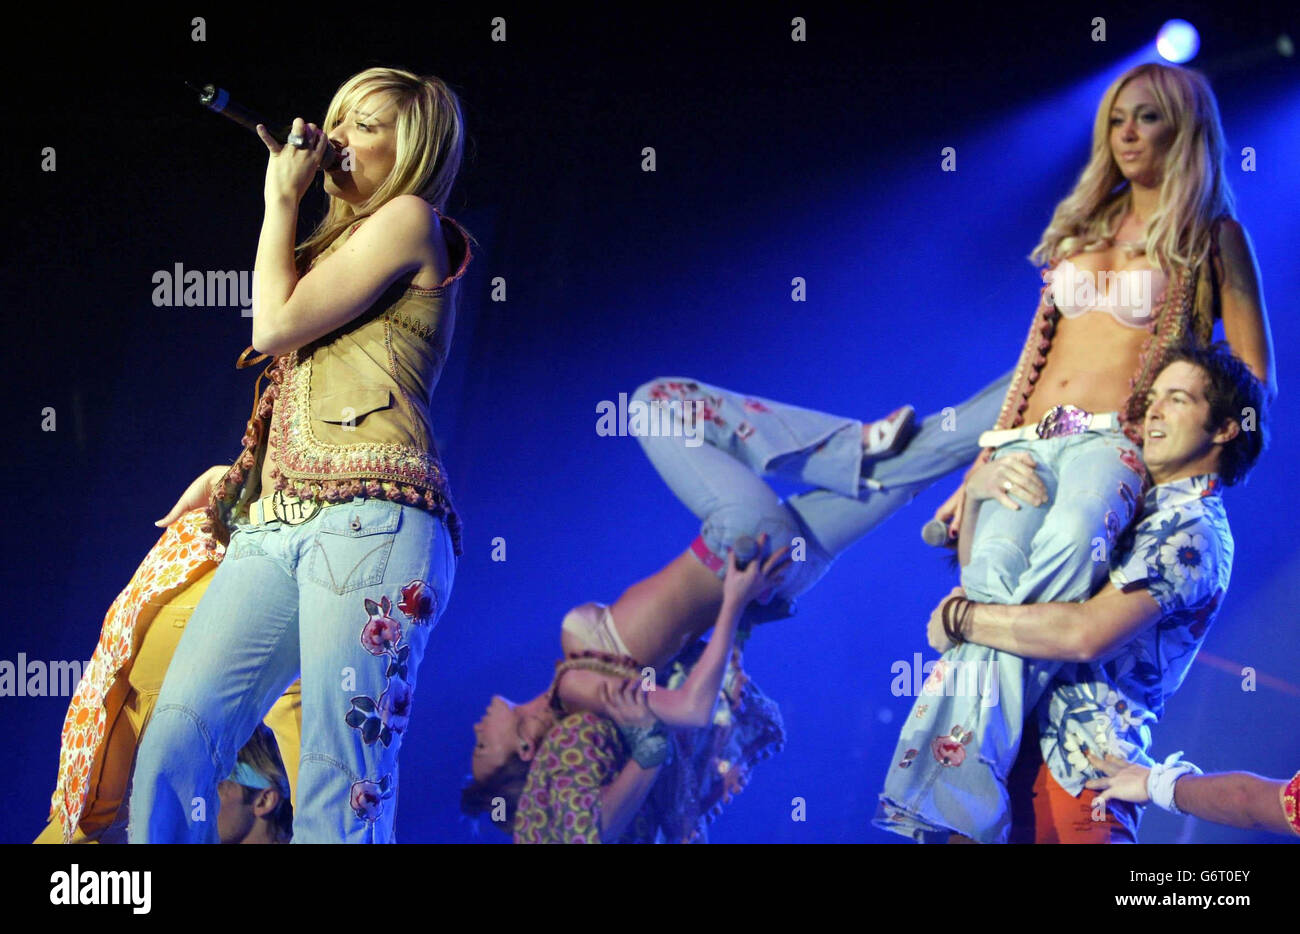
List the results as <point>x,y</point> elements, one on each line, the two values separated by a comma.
<point>775,160</point>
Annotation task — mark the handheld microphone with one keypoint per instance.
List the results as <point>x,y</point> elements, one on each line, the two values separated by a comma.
<point>778,607</point>
<point>935,533</point>
<point>218,101</point>
<point>746,550</point>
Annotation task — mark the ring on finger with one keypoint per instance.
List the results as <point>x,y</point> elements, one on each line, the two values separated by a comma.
<point>1006,486</point>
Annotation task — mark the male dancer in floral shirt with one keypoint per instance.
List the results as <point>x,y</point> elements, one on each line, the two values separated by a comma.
<point>1102,670</point>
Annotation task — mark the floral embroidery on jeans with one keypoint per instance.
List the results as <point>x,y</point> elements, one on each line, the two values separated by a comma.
<point>395,706</point>
<point>367,798</point>
<point>708,411</point>
<point>382,720</point>
<point>950,750</point>
<point>934,683</point>
<point>419,602</point>
<point>1127,494</point>
<point>1112,526</point>
<point>665,391</point>
<point>1133,461</point>
<point>381,631</point>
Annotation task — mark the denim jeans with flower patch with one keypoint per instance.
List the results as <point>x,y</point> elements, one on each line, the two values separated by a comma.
<point>957,746</point>
<point>348,599</point>
<point>740,438</point>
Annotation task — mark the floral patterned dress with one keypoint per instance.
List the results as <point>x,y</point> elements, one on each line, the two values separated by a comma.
<point>1291,803</point>
<point>584,752</point>
<point>182,555</point>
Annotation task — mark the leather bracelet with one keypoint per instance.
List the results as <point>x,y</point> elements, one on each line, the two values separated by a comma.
<point>945,614</point>
<point>953,614</point>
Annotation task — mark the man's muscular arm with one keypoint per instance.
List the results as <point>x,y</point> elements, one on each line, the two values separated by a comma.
<point>1070,632</point>
<point>1240,799</point>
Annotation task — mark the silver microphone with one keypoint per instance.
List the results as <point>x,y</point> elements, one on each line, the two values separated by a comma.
<point>218,101</point>
<point>746,550</point>
<point>935,533</point>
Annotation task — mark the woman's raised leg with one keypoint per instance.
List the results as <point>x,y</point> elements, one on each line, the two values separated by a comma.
<point>946,441</point>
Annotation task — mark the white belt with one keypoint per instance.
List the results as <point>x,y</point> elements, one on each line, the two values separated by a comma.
<point>1060,420</point>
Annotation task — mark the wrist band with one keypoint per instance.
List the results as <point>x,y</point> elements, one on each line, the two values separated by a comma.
<point>1163,776</point>
<point>945,614</point>
<point>648,745</point>
<point>954,614</point>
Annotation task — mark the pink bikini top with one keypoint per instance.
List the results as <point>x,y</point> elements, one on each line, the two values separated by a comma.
<point>1130,296</point>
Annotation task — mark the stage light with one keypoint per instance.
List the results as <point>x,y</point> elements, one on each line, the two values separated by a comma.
<point>1177,41</point>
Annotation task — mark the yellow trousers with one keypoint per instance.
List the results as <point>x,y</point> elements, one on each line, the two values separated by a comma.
<point>129,705</point>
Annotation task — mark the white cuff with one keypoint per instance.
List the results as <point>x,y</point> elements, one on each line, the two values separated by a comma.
<point>1163,776</point>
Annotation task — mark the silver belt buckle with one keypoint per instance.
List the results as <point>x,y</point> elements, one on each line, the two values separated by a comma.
<point>292,513</point>
<point>1063,420</point>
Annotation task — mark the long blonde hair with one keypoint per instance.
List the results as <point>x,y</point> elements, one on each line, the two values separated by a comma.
<point>430,142</point>
<point>1193,192</point>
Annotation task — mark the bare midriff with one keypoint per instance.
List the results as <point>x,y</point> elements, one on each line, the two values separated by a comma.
<point>661,615</point>
<point>1093,358</point>
<point>1090,365</point>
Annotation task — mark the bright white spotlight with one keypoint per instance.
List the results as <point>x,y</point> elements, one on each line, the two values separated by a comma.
<point>1177,41</point>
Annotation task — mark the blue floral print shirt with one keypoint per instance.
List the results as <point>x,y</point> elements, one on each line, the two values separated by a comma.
<point>1181,550</point>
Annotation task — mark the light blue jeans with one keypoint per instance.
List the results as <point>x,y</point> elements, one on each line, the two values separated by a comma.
<point>741,438</point>
<point>348,599</point>
<point>957,746</point>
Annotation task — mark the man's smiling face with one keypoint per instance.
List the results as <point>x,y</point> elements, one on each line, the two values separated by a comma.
<point>1177,442</point>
